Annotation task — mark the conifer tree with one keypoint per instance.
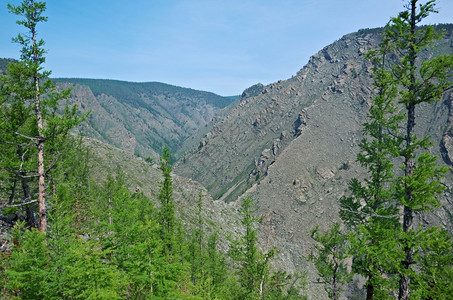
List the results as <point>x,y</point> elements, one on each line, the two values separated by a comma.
<point>215,266</point>
<point>370,213</point>
<point>419,82</point>
<point>253,264</point>
<point>167,206</point>
<point>330,259</point>
<point>196,246</point>
<point>385,246</point>
<point>31,100</point>
<point>174,276</point>
<point>62,266</point>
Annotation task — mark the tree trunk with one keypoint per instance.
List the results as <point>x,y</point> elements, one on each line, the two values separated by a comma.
<point>334,281</point>
<point>408,214</point>
<point>42,210</point>
<point>30,219</point>
<point>370,289</point>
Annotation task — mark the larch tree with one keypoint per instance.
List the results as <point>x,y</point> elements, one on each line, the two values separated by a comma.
<point>253,264</point>
<point>418,82</point>
<point>31,121</point>
<point>370,213</point>
<point>393,251</point>
<point>330,259</point>
<point>167,221</point>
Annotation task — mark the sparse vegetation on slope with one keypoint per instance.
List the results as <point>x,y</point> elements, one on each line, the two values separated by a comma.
<point>142,118</point>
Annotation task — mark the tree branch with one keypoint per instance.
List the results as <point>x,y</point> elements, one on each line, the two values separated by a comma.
<point>27,137</point>
<point>20,204</point>
<point>371,215</point>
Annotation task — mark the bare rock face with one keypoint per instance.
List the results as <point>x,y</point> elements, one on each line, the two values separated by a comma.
<point>300,123</point>
<point>447,144</point>
<point>234,150</point>
<point>447,140</point>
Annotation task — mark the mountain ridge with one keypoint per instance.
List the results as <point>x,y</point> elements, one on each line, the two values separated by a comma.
<point>291,145</point>
<point>142,118</point>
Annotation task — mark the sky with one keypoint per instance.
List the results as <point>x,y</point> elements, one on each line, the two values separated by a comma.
<point>221,46</point>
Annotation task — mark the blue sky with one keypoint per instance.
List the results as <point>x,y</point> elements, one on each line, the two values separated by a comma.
<point>222,46</point>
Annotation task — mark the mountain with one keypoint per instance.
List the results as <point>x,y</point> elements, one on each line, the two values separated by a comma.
<point>3,64</point>
<point>142,118</point>
<point>292,146</point>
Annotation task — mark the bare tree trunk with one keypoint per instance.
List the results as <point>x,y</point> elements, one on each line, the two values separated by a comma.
<point>42,210</point>
<point>334,280</point>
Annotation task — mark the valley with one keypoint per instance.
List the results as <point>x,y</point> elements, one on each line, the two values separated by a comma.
<point>291,145</point>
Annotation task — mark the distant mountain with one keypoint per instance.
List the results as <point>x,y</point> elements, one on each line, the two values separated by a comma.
<point>142,118</point>
<point>3,64</point>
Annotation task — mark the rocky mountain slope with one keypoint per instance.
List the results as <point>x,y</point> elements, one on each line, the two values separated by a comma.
<point>141,118</point>
<point>293,146</point>
<point>240,148</point>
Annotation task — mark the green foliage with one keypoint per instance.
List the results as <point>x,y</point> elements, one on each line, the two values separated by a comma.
<point>167,205</point>
<point>27,267</point>
<point>31,129</point>
<point>434,280</point>
<point>330,259</point>
<point>216,268</point>
<point>134,240</point>
<point>61,267</point>
<point>252,265</point>
<point>418,82</point>
<point>389,252</point>
<point>370,213</point>
<point>196,246</point>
